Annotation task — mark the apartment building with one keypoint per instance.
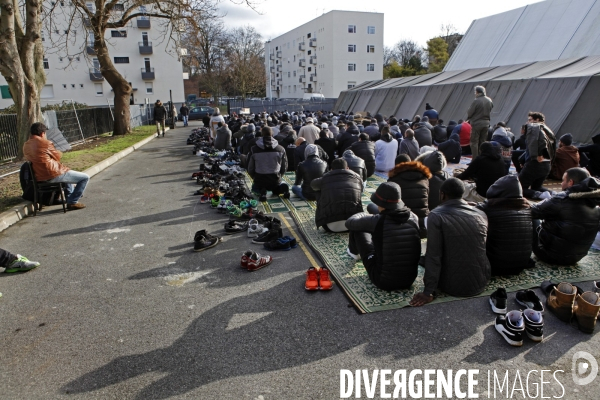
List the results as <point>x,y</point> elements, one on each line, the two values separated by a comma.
<point>140,52</point>
<point>334,52</point>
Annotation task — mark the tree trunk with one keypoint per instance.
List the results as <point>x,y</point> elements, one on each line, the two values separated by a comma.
<point>122,111</point>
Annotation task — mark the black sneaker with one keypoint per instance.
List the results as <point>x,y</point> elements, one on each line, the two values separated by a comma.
<point>200,234</point>
<point>528,299</point>
<point>278,244</point>
<point>498,301</point>
<point>204,243</point>
<point>273,234</point>
<point>511,327</point>
<point>232,227</point>
<point>534,325</point>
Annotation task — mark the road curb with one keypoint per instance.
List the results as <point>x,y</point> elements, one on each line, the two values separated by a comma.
<point>25,209</point>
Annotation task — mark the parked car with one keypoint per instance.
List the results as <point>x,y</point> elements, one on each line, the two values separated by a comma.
<point>198,112</point>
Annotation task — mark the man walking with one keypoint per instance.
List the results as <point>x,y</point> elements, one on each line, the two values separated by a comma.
<point>160,115</point>
<point>185,112</point>
<point>479,118</point>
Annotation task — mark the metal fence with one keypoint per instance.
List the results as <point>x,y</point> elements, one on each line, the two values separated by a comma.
<point>291,105</point>
<point>9,147</point>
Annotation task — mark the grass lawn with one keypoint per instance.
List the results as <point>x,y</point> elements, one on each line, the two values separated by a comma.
<point>79,158</point>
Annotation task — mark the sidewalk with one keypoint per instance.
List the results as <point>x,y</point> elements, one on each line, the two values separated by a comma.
<point>122,308</point>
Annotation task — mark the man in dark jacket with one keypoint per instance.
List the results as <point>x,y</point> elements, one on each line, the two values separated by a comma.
<point>159,115</point>
<point>566,157</point>
<point>388,242</point>
<point>436,162</point>
<point>413,179</point>
<point>365,149</point>
<point>423,135</point>
<point>299,151</point>
<point>479,118</point>
<point>287,139</point>
<point>223,139</point>
<point>451,125</point>
<point>340,196</point>
<point>355,164</point>
<point>372,130</point>
<point>485,169</point>
<point>570,220</point>
<point>349,136</point>
<point>327,144</point>
<point>451,149</point>
<point>508,243</point>
<point>266,166</point>
<point>536,167</point>
<point>456,260</point>
<point>593,152</point>
<point>185,113</point>
<point>311,168</point>
<point>439,132</point>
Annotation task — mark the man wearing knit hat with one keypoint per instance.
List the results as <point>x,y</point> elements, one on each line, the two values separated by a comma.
<point>309,131</point>
<point>567,156</point>
<point>388,242</point>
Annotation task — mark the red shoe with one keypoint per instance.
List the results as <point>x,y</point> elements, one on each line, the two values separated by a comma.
<point>312,279</point>
<point>245,258</point>
<point>257,261</point>
<point>324,279</point>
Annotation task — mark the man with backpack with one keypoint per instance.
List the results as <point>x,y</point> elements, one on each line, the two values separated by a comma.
<point>537,158</point>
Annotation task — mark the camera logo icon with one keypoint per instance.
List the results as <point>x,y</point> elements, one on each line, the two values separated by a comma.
<point>584,368</point>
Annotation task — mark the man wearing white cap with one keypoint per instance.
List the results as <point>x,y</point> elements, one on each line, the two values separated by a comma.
<point>309,131</point>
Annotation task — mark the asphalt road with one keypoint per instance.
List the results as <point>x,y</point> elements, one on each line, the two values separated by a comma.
<point>121,308</point>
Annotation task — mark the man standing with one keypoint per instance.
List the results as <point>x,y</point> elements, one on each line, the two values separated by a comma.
<point>185,112</point>
<point>309,131</point>
<point>160,115</point>
<point>456,260</point>
<point>479,118</point>
<point>45,160</point>
<point>536,167</point>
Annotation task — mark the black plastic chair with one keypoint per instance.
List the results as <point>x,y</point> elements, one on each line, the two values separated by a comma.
<point>46,187</point>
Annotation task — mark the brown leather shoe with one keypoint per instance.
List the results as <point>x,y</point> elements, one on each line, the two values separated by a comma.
<point>76,206</point>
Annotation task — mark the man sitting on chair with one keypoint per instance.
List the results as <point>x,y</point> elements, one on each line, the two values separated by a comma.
<point>45,160</point>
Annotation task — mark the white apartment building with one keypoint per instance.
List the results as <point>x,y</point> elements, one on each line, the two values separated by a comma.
<point>331,53</point>
<point>139,52</point>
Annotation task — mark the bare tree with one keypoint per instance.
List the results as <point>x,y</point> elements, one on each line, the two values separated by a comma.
<point>451,36</point>
<point>389,55</point>
<point>245,54</point>
<point>21,60</point>
<point>407,51</point>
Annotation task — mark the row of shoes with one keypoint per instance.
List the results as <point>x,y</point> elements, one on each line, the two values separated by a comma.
<point>513,325</point>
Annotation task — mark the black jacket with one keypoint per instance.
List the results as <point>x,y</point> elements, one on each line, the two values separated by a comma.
<point>311,168</point>
<point>570,223</point>
<point>413,179</point>
<point>365,150</point>
<point>439,134</point>
<point>436,163</point>
<point>328,145</point>
<point>299,154</point>
<point>397,247</point>
<point>347,138</point>
<point>184,110</point>
<point>160,112</point>
<point>456,260</point>
<point>486,168</point>
<point>451,149</point>
<point>423,136</point>
<point>593,151</point>
<point>355,164</point>
<point>340,196</point>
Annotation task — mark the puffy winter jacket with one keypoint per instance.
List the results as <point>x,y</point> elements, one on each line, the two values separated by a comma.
<point>570,223</point>
<point>410,147</point>
<point>397,247</point>
<point>328,145</point>
<point>355,164</point>
<point>365,150</point>
<point>486,168</point>
<point>286,136</point>
<point>299,154</point>
<point>267,163</point>
<point>439,134</point>
<point>413,179</point>
<point>451,149</point>
<point>346,138</point>
<point>340,197</point>
<point>456,260</point>
<point>436,162</point>
<point>423,136</point>
<point>509,238</point>
<point>311,168</point>
<point>223,139</point>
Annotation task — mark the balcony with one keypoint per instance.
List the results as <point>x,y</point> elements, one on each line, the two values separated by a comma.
<point>302,79</point>
<point>96,75</point>
<point>279,68</point>
<point>302,46</point>
<point>302,63</point>
<point>145,47</point>
<point>143,23</point>
<point>279,54</point>
<point>272,69</point>
<point>313,77</point>
<point>313,42</point>
<point>313,60</point>
<point>90,50</point>
<point>272,56</point>
<point>148,73</point>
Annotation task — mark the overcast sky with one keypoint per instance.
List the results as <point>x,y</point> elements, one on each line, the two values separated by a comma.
<point>415,20</point>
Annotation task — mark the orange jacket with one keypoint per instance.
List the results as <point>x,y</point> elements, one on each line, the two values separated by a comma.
<point>44,157</point>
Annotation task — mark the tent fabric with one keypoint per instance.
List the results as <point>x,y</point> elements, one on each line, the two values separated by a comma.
<point>362,100</point>
<point>497,72</point>
<point>377,99</point>
<point>436,97</point>
<point>583,121</point>
<point>441,77</point>
<point>505,95</point>
<point>467,74</point>
<point>392,101</point>
<point>587,66</point>
<point>537,69</point>
<point>586,39</point>
<point>458,102</point>
<point>410,104</point>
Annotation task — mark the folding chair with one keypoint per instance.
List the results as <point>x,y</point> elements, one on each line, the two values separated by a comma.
<point>46,187</point>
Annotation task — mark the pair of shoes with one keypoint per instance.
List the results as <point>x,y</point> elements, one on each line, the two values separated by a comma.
<point>253,261</point>
<point>355,256</point>
<point>512,326</point>
<point>76,206</point>
<point>255,229</point>
<point>204,240</point>
<point>232,227</point>
<point>272,234</point>
<point>525,298</point>
<point>285,243</point>
<point>21,264</point>
<point>318,280</point>
<point>571,304</point>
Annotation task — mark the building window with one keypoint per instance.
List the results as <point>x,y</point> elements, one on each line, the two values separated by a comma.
<point>370,30</point>
<point>278,75</point>
<point>294,88</point>
<point>351,67</point>
<point>294,73</point>
<point>351,85</point>
<point>6,92</point>
<point>60,59</point>
<point>294,58</point>
<point>118,33</point>
<point>308,36</point>
<point>43,37</point>
<point>57,32</point>
<point>81,86</point>
<point>46,64</point>
<point>370,67</point>
<point>64,85</point>
<point>149,88</point>
<point>119,7</point>
<point>72,86</point>
<point>351,28</point>
<point>77,58</point>
<point>98,88</point>
<point>351,48</point>
<point>370,48</point>
<point>121,60</point>
<point>309,52</point>
<point>289,73</point>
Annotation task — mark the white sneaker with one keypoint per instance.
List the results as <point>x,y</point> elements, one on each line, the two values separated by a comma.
<point>255,229</point>
<point>545,195</point>
<point>355,256</point>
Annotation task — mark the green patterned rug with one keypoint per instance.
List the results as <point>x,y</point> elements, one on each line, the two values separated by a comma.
<point>352,277</point>
<point>279,204</point>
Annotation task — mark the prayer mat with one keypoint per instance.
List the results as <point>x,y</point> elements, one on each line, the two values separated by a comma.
<point>352,277</point>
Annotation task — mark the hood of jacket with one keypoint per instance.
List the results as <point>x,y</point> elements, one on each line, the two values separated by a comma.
<point>353,130</point>
<point>455,137</point>
<point>502,140</point>
<point>311,150</point>
<point>596,138</point>
<point>349,154</point>
<point>491,150</point>
<point>266,142</point>
<point>506,187</point>
<point>434,160</point>
<point>586,189</point>
<point>412,166</point>
<point>387,138</point>
<point>399,216</point>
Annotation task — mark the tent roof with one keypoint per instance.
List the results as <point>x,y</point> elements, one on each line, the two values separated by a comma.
<point>537,69</point>
<point>585,67</point>
<point>496,72</point>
